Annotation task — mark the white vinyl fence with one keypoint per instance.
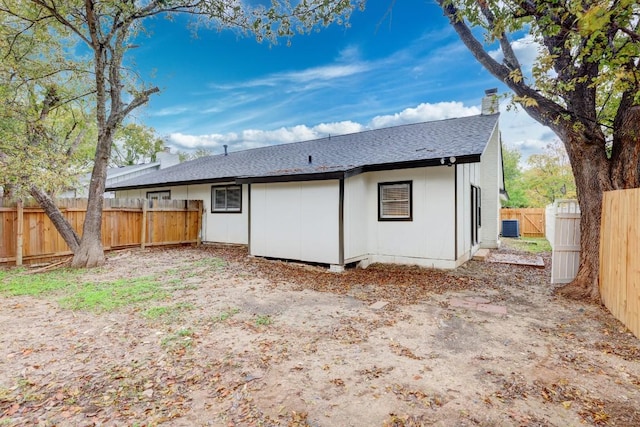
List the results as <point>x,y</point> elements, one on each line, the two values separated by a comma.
<point>563,233</point>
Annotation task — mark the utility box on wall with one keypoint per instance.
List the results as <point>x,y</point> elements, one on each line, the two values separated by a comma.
<point>510,228</point>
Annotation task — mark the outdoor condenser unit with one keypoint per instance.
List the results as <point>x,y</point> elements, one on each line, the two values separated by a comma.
<point>510,228</point>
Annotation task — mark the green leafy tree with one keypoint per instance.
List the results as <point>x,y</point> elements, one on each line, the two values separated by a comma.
<point>134,144</point>
<point>584,85</point>
<point>192,155</point>
<point>549,176</point>
<point>45,132</point>
<point>513,178</point>
<point>108,29</point>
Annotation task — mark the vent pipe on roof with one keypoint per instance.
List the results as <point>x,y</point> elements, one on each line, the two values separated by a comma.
<point>225,149</point>
<point>310,159</point>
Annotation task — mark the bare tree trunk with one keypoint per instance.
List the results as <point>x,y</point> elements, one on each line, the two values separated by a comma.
<point>592,180</point>
<point>91,252</point>
<point>65,229</point>
<point>594,175</point>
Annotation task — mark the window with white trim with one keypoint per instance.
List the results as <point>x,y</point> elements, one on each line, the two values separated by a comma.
<point>226,199</point>
<point>394,201</point>
<point>159,195</point>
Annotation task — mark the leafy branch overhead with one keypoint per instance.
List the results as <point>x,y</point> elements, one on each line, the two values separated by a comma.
<point>588,49</point>
<point>584,85</point>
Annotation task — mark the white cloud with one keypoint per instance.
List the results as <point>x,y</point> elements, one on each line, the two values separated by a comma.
<point>338,128</point>
<point>193,142</point>
<point>423,113</point>
<point>520,131</point>
<point>252,138</point>
<point>349,54</point>
<point>170,111</point>
<point>526,50</point>
<point>315,74</point>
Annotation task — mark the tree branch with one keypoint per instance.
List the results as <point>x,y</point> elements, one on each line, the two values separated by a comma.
<point>546,111</point>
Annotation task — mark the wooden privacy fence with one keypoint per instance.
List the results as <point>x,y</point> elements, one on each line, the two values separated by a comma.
<point>27,233</point>
<point>531,220</point>
<point>620,256</point>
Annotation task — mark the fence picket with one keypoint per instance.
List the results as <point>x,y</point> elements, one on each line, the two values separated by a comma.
<point>620,256</point>
<point>125,223</point>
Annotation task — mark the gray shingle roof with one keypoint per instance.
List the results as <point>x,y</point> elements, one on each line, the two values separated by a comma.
<point>413,144</point>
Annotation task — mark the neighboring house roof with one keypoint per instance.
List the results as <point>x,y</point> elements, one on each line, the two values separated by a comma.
<point>412,145</point>
<point>125,170</point>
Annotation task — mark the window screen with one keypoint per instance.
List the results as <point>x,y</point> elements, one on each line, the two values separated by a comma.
<point>226,198</point>
<point>159,195</point>
<point>394,201</point>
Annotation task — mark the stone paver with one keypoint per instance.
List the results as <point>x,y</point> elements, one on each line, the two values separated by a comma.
<point>378,305</point>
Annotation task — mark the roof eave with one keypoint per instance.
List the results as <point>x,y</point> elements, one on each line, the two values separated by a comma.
<point>313,176</point>
<point>171,184</point>
<point>322,176</point>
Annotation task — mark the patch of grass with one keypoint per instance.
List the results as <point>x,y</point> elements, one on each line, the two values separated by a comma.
<point>264,320</point>
<point>5,394</point>
<point>210,262</point>
<point>533,245</point>
<point>109,296</point>
<point>225,315</point>
<point>168,314</point>
<point>17,282</point>
<point>180,339</point>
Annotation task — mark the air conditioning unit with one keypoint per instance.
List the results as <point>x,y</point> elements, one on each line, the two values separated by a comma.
<point>510,228</point>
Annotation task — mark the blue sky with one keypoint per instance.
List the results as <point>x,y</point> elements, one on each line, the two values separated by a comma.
<point>385,69</point>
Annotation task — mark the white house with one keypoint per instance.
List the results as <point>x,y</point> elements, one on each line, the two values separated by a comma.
<point>164,159</point>
<point>425,194</point>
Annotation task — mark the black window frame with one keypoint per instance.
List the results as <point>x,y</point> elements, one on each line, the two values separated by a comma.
<point>476,214</point>
<point>226,188</point>
<point>381,185</point>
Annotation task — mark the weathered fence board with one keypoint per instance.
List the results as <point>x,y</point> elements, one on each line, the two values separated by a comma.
<point>125,222</point>
<point>620,256</point>
<point>531,220</point>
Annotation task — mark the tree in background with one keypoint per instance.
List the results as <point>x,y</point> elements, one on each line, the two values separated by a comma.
<point>134,144</point>
<point>192,155</point>
<point>513,181</point>
<point>46,136</point>
<point>107,29</point>
<point>584,85</point>
<point>549,176</point>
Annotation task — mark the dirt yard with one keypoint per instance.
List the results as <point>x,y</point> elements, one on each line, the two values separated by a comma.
<point>253,342</point>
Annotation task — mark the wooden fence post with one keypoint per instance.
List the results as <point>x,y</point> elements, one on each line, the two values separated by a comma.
<point>200,212</point>
<point>143,229</point>
<point>19,232</point>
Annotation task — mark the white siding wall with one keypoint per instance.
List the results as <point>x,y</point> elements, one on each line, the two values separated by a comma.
<point>468,174</point>
<point>427,240</point>
<point>463,193</point>
<point>356,216</point>
<point>218,227</point>
<point>491,181</point>
<point>297,220</point>
<point>227,227</point>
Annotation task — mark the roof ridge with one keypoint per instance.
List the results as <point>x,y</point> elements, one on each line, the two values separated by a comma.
<point>351,134</point>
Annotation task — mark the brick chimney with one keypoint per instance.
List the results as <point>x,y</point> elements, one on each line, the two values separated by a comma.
<point>490,102</point>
